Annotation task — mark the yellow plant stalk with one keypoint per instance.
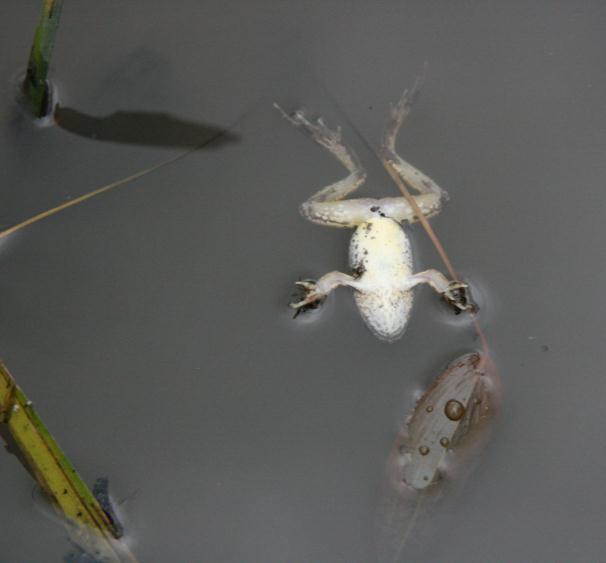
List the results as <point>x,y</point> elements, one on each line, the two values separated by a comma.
<point>87,524</point>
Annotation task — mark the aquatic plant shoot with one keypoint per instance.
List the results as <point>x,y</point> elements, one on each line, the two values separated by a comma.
<point>87,524</point>
<point>36,86</point>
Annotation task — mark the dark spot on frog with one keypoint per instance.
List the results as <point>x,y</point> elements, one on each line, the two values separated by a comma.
<point>368,227</point>
<point>377,209</point>
<point>358,271</point>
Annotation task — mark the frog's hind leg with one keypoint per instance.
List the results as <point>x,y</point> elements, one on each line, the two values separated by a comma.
<point>323,207</point>
<point>430,195</point>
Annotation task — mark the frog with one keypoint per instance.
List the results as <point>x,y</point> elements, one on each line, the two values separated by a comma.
<point>380,253</point>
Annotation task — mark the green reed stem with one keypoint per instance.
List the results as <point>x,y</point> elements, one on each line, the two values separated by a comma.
<point>35,86</point>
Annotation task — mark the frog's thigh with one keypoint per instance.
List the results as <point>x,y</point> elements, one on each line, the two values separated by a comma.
<point>354,212</point>
<point>400,210</point>
<point>343,213</point>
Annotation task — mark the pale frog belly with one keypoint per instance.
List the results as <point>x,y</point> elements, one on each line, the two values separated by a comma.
<point>380,255</point>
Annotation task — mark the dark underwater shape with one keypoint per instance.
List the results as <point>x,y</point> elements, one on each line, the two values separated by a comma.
<point>143,128</point>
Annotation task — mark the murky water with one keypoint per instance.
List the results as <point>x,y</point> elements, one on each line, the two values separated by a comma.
<point>150,326</point>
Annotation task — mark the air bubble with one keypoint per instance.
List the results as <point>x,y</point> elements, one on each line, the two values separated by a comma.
<point>454,410</point>
<point>429,408</point>
<point>444,442</point>
<point>423,450</point>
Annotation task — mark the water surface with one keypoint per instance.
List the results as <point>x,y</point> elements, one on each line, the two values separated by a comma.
<point>150,326</point>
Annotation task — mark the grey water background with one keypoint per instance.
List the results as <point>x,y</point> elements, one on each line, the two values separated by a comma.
<point>150,325</point>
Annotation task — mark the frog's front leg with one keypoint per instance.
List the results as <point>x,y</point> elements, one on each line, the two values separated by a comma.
<point>455,293</point>
<point>316,291</point>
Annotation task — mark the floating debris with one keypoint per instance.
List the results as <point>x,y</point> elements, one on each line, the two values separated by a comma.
<point>449,422</point>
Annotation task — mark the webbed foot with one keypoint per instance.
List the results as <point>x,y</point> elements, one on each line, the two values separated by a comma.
<point>312,298</point>
<point>458,297</point>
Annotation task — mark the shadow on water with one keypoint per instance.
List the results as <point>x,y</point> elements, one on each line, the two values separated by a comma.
<point>143,128</point>
<point>11,447</point>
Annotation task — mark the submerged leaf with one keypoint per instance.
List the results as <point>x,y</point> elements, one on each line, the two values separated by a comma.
<point>434,447</point>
